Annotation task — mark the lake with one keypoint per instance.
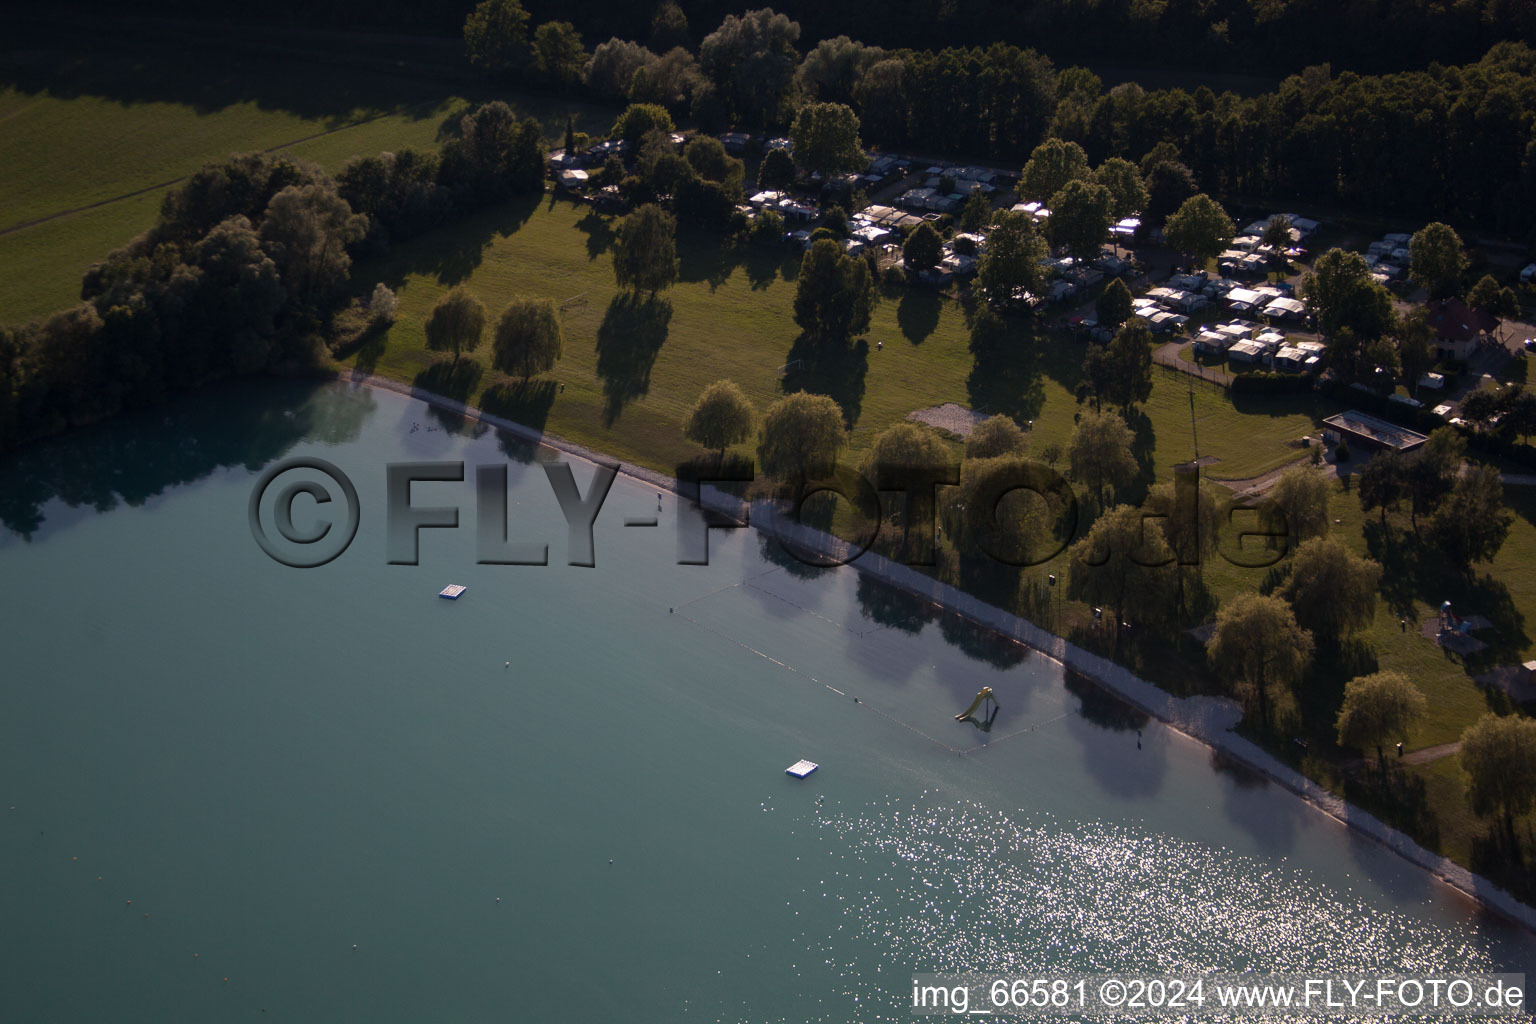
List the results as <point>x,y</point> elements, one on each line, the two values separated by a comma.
<point>230,789</point>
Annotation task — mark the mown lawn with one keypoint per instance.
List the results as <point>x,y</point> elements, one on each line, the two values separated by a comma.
<point>632,369</point>
<point>101,122</point>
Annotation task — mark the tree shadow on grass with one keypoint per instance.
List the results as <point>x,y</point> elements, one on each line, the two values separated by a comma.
<point>525,402</point>
<point>1394,551</point>
<point>450,379</point>
<point>766,264</point>
<point>1395,795</point>
<point>369,346</point>
<point>1141,447</point>
<point>917,314</point>
<point>631,334</point>
<point>599,232</point>
<point>451,253</point>
<point>1496,857</point>
<point>1005,375</point>
<point>703,257</point>
<point>830,368</point>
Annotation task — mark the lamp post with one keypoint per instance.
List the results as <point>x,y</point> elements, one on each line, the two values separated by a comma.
<point>1051,580</point>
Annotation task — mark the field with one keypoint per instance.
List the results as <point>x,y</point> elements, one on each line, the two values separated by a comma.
<point>93,135</point>
<point>92,140</point>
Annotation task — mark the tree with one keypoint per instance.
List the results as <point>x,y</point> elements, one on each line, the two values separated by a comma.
<point>1331,589</point>
<point>1124,565</point>
<point>1471,522</point>
<point>922,249</point>
<point>800,437</point>
<point>306,231</point>
<point>826,138</point>
<point>1383,483</point>
<point>1127,190</point>
<point>834,294</point>
<point>907,446</point>
<point>1169,185</point>
<point>669,27</point>
<point>751,61</point>
<point>1114,306</point>
<point>1259,645</point>
<point>1485,294</point>
<point>674,81</point>
<point>1190,521</point>
<point>1298,504</point>
<point>558,55</point>
<point>721,417</point>
<point>457,323</point>
<point>1100,452</point>
<point>995,522</point>
<point>1130,360</point>
<point>976,212</point>
<point>777,169</point>
<point>1414,353</point>
<point>1011,263</point>
<point>831,71</point>
<point>881,96</point>
<point>707,156</point>
<point>1378,708</point>
<point>1498,753</point>
<point>527,339</point>
<point>1200,229</point>
<point>639,119</point>
<point>1437,261</point>
<point>645,251</point>
<point>995,436</point>
<point>1431,471</point>
<point>1277,236</point>
<point>1080,218</point>
<point>496,154</point>
<point>1053,163</point>
<point>496,36</point>
<point>611,70</point>
<point>1342,294</point>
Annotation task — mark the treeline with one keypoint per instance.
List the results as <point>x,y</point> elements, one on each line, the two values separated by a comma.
<point>245,268</point>
<point>1442,143</point>
<point>1220,35</point>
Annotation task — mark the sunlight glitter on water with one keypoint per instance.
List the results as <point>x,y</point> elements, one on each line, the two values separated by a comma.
<point>930,886</point>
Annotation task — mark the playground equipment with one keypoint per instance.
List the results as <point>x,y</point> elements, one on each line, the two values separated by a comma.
<point>982,696</point>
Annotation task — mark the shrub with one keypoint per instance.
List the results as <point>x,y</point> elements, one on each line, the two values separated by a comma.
<point>381,305</point>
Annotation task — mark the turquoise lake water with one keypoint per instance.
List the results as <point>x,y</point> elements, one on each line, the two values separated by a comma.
<point>328,787</point>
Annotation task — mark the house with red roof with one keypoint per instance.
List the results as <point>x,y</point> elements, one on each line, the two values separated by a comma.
<point>1458,328</point>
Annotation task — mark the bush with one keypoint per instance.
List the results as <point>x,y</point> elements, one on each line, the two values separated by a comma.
<point>768,228</point>
<point>1341,453</point>
<point>381,305</point>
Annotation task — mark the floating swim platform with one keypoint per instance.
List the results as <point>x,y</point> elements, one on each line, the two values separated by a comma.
<point>452,591</point>
<point>800,769</point>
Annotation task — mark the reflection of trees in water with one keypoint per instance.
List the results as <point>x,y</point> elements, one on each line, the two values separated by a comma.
<point>1101,707</point>
<point>889,605</point>
<point>138,456</point>
<point>980,642</point>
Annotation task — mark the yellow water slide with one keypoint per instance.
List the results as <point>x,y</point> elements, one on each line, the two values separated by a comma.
<point>982,696</point>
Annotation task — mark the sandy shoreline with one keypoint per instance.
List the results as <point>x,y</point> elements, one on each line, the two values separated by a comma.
<point>1209,720</point>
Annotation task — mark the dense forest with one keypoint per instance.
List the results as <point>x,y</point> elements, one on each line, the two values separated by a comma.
<point>1276,36</point>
